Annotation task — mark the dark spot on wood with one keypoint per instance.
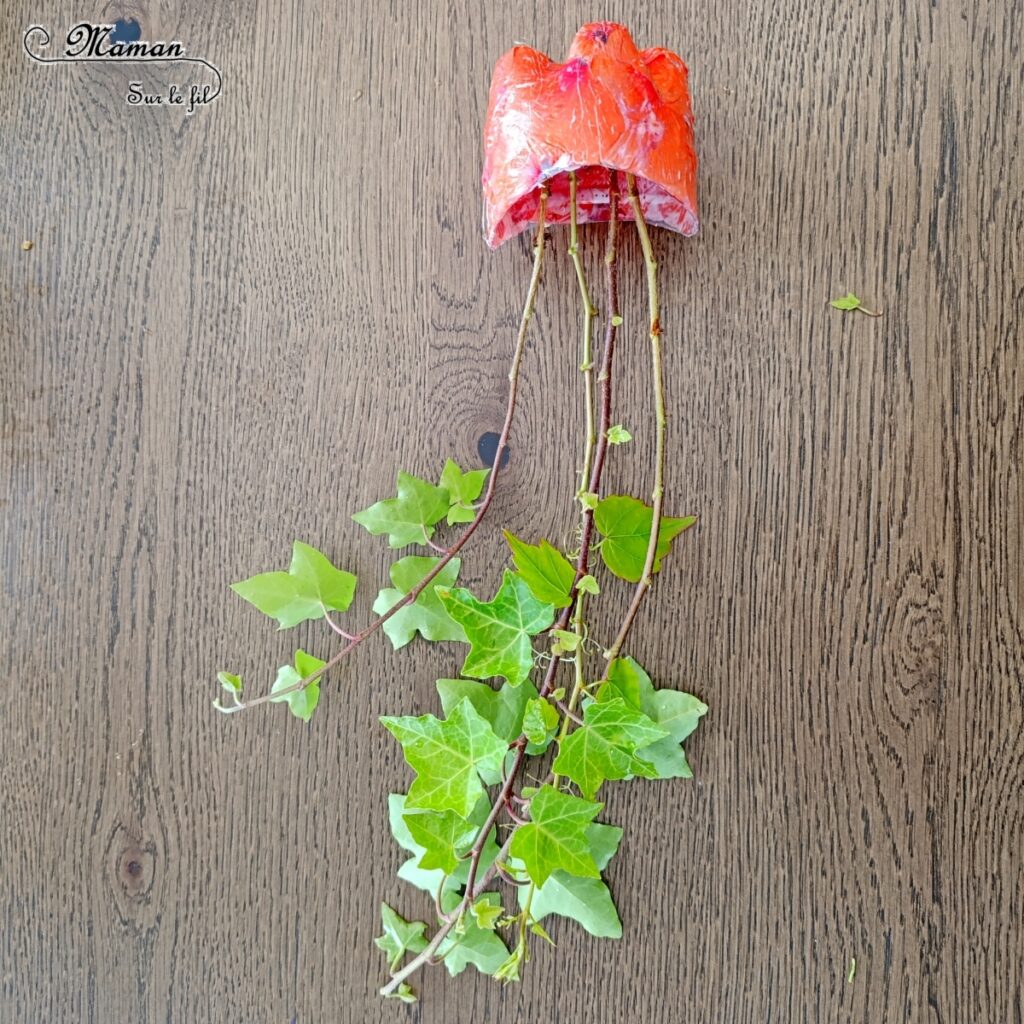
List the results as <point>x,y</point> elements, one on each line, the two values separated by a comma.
<point>487,448</point>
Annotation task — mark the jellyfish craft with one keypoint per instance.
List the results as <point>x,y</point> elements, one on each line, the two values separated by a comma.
<point>605,137</point>
<point>609,107</point>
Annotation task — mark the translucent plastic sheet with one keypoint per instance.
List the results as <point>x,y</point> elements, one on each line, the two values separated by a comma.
<point>610,106</point>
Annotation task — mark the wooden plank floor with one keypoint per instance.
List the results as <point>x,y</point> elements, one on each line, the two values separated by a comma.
<point>233,328</point>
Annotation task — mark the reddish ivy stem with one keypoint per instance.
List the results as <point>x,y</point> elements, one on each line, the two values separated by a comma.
<point>475,888</point>
<point>484,505</point>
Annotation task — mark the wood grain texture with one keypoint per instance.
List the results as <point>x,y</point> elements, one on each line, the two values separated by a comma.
<point>232,329</point>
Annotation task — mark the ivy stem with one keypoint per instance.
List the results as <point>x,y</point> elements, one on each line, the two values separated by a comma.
<point>485,502</point>
<point>586,356</point>
<point>659,404</point>
<point>474,887</point>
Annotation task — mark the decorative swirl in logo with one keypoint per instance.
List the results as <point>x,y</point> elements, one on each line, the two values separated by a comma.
<point>84,44</point>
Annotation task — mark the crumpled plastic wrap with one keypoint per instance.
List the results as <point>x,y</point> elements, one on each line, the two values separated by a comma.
<point>609,107</point>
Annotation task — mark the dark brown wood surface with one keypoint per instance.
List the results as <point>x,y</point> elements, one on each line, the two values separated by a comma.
<point>232,329</point>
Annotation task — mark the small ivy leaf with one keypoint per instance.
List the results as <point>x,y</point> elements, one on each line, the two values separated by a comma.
<point>400,936</point>
<point>487,912</point>
<point>555,837</point>
<point>604,746</point>
<point>846,302</point>
<point>302,703</point>
<point>230,683</point>
<point>850,302</point>
<point>588,585</point>
<point>499,630</point>
<point>311,585</point>
<point>616,320</point>
<point>403,992</point>
<point>410,517</point>
<point>426,615</point>
<point>676,712</point>
<point>625,523</point>
<point>588,499</point>
<point>509,970</point>
<point>463,487</point>
<point>444,836</point>
<point>565,642</point>
<point>447,757</point>
<point>547,572</point>
<point>619,435</point>
<point>478,944</point>
<point>540,722</point>
<point>538,929</point>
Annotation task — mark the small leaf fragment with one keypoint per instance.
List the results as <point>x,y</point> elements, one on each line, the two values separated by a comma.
<point>619,435</point>
<point>616,320</point>
<point>538,929</point>
<point>588,499</point>
<point>849,302</point>
<point>410,517</point>
<point>404,992</point>
<point>588,585</point>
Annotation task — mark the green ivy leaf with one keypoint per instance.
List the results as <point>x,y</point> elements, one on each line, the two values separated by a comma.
<point>478,944</point>
<point>589,500</point>
<point>463,487</point>
<point>604,746</point>
<point>487,911</point>
<point>430,879</point>
<point>310,586</point>
<point>620,435</point>
<point>400,936</point>
<point>499,630</point>
<point>588,585</point>
<point>230,683</point>
<point>565,642</point>
<point>503,708</point>
<point>403,992</point>
<point>546,570</point>
<point>676,712</point>
<point>444,837</point>
<point>410,517</point>
<point>426,615</point>
<point>509,970</point>
<point>555,837</point>
<point>584,900</point>
<point>625,523</point>
<point>302,703</point>
<point>849,302</point>
<point>540,722</point>
<point>447,757</point>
